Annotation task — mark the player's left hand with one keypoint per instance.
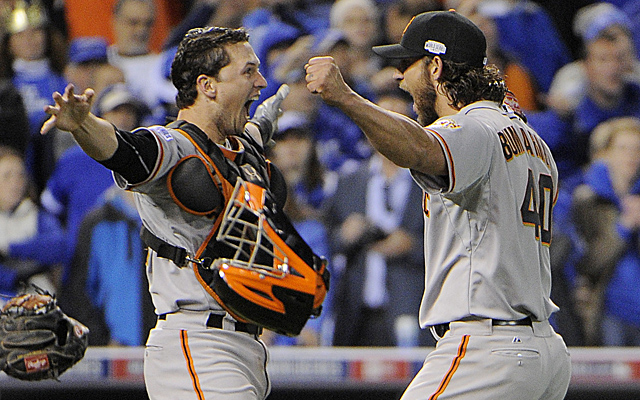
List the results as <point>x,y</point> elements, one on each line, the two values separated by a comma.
<point>324,78</point>
<point>267,113</point>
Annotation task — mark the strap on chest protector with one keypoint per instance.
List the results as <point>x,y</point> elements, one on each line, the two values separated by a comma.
<point>253,262</point>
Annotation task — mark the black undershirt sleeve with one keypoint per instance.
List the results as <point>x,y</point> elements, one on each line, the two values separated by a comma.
<point>135,156</point>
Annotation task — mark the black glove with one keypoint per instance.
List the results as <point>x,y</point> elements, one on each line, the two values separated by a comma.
<point>37,340</point>
<point>267,113</point>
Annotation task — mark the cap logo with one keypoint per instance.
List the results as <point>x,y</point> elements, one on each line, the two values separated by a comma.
<point>435,47</point>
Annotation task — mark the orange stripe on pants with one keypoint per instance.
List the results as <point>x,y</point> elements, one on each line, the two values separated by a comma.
<point>462,350</point>
<point>184,343</point>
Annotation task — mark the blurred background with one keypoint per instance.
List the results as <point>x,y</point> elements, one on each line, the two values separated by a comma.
<point>573,66</point>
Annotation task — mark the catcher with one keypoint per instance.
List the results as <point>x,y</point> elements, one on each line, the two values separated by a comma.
<point>224,260</point>
<point>37,340</point>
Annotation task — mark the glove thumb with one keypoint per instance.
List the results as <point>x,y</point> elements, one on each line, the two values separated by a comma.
<point>283,91</point>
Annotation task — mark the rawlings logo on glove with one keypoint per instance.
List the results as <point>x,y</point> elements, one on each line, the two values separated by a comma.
<point>37,340</point>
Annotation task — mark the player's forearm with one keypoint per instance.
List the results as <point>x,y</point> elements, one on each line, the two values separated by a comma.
<point>97,137</point>
<point>397,137</point>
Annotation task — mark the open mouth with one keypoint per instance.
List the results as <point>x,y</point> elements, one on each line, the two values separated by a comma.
<point>247,106</point>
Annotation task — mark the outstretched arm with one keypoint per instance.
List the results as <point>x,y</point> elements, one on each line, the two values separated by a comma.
<point>397,137</point>
<point>71,112</point>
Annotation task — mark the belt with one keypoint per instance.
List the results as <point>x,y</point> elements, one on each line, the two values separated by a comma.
<point>215,321</point>
<point>438,331</point>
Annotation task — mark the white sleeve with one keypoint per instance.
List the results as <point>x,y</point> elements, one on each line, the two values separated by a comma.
<point>468,148</point>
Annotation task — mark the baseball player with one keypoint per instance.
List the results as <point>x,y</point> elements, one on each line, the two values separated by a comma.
<point>178,173</point>
<point>489,185</point>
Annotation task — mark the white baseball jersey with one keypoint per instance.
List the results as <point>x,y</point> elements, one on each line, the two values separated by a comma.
<point>171,287</point>
<point>488,226</point>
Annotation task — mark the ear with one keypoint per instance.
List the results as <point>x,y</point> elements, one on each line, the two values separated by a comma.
<point>207,85</point>
<point>435,68</point>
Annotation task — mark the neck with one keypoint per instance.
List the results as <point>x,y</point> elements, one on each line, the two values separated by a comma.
<point>443,108</point>
<point>203,121</point>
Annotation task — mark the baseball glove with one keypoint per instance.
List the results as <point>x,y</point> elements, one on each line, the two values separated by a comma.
<point>37,340</point>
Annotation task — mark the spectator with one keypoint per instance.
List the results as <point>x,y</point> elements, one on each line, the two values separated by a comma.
<point>358,20</point>
<point>78,182</point>
<point>107,75</point>
<point>398,14</point>
<point>608,94</point>
<point>106,289</point>
<point>606,211</point>
<point>144,70</point>
<point>14,123</point>
<point>375,224</point>
<point>309,186</point>
<point>30,238</point>
<point>592,23</point>
<point>209,13</point>
<point>116,104</point>
<point>33,55</point>
<point>309,17</point>
<point>86,56</point>
<point>295,153</point>
<point>341,143</point>
<point>543,53</point>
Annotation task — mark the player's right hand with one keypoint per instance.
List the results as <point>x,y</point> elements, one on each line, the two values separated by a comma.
<point>324,77</point>
<point>69,110</point>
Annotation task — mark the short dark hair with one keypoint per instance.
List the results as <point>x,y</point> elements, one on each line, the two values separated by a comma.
<point>201,51</point>
<point>465,84</point>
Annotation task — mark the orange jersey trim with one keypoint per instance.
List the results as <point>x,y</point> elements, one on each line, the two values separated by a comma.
<point>184,344</point>
<point>452,178</point>
<point>462,351</point>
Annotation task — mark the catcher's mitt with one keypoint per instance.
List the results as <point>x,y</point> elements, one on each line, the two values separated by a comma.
<point>37,340</point>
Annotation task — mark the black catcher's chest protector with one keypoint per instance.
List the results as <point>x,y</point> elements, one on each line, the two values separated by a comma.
<point>254,262</point>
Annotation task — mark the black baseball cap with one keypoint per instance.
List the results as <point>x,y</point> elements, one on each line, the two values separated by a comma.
<point>447,34</point>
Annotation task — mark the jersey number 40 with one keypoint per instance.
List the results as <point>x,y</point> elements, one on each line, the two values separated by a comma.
<point>537,206</point>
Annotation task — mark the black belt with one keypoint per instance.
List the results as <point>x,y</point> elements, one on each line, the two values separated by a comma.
<point>215,321</point>
<point>441,329</point>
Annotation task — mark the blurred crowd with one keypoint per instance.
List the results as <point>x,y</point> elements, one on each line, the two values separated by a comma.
<point>572,65</point>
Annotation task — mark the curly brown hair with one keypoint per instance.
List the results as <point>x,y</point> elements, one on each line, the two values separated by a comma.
<point>465,84</point>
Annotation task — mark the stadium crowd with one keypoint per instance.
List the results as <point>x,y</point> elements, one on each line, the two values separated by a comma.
<point>572,65</point>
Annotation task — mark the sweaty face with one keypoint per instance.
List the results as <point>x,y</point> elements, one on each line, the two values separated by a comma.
<point>239,84</point>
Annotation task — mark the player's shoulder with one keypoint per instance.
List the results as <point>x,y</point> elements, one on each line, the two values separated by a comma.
<point>470,118</point>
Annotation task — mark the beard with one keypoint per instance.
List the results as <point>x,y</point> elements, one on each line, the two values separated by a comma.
<point>425,102</point>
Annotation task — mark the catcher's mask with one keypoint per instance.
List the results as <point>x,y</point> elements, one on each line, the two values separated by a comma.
<point>273,278</point>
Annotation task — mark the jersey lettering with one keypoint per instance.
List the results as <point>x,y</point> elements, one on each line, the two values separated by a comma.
<point>514,145</point>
